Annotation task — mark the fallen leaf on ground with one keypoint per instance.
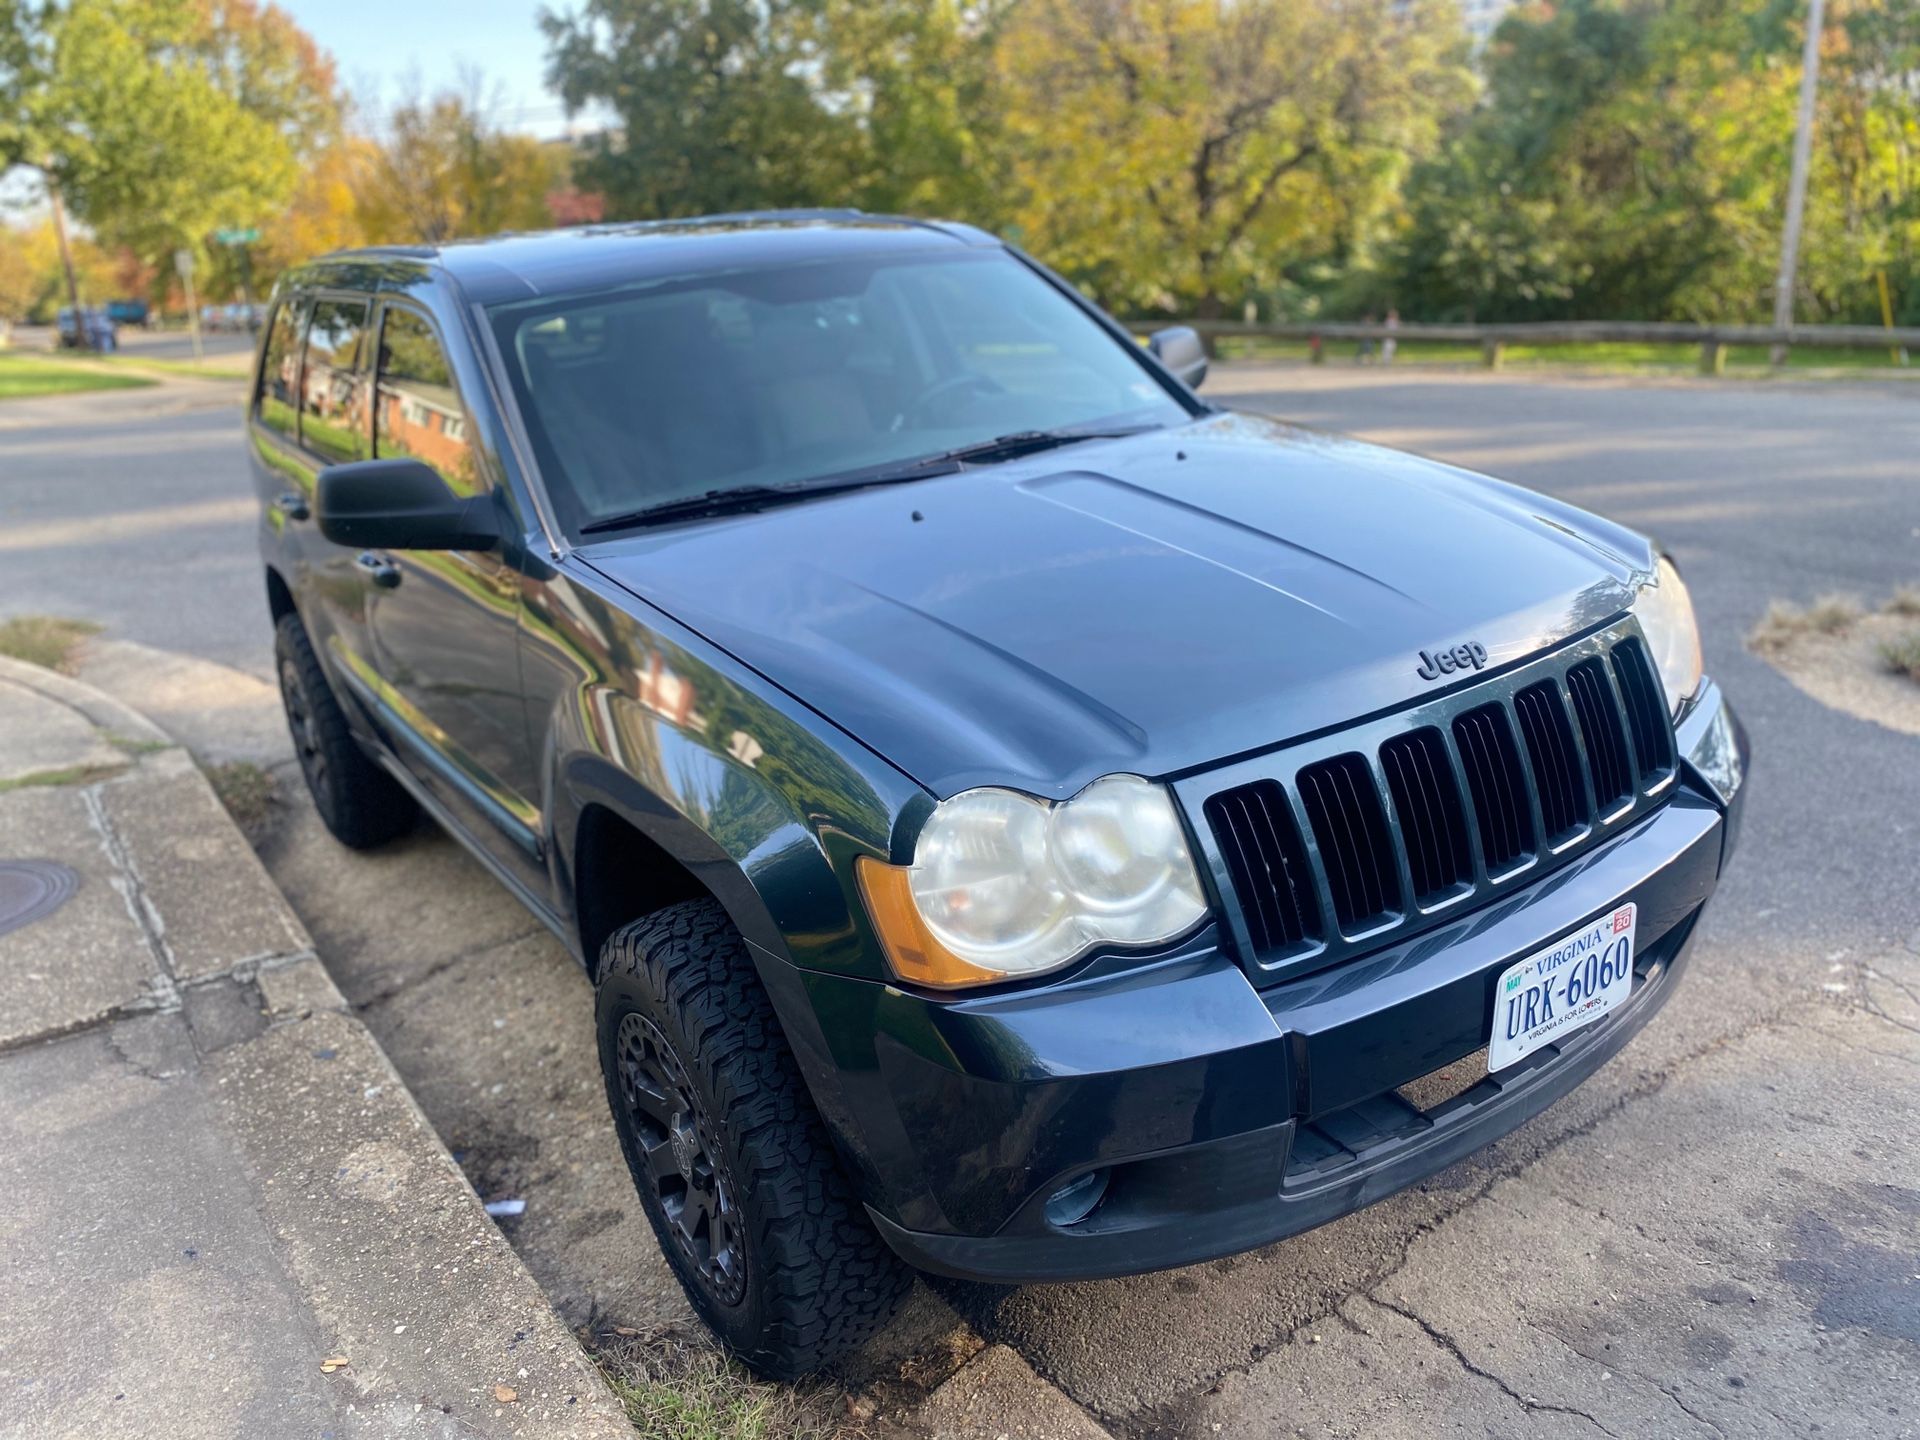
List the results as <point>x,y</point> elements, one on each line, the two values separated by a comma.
<point>625,1330</point>
<point>505,1394</point>
<point>333,1363</point>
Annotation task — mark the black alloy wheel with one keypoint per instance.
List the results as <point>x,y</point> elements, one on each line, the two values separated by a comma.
<point>685,1164</point>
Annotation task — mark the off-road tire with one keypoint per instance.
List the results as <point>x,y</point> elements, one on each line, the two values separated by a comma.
<point>361,804</point>
<point>818,1280</point>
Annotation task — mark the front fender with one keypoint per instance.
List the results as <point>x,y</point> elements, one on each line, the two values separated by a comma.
<point>763,801</point>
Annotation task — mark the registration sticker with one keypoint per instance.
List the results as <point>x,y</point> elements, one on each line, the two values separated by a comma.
<point>1573,982</point>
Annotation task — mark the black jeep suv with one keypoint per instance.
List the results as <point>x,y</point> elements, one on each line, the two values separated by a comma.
<point>1021,819</point>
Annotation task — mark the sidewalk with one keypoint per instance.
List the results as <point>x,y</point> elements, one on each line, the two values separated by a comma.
<point>214,1179</point>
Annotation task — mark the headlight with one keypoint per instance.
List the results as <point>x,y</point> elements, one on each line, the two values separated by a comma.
<point>1003,885</point>
<point>1666,615</point>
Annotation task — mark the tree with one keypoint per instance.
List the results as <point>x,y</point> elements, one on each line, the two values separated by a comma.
<point>257,56</point>
<point>118,112</point>
<point>20,287</point>
<point>1181,154</point>
<point>916,81</point>
<point>715,102</point>
<point>32,282</point>
<point>22,62</point>
<point>444,171</point>
<point>323,213</point>
<point>1630,160</point>
<point>1864,215</point>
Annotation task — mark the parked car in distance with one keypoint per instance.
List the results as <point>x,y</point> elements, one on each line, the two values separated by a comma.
<point>89,328</point>
<point>129,312</point>
<point>1021,820</point>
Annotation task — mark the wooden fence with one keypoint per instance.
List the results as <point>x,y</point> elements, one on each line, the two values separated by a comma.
<point>1493,340</point>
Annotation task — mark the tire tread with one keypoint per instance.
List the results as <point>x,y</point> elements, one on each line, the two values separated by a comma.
<point>828,1280</point>
<point>366,805</point>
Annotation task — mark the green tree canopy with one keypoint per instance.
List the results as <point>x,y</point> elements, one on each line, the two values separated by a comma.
<point>714,101</point>
<point>1630,160</point>
<point>1182,153</point>
<point>444,171</point>
<point>120,112</point>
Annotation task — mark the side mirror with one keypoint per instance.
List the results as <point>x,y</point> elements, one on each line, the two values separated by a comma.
<point>401,505</point>
<point>1182,351</point>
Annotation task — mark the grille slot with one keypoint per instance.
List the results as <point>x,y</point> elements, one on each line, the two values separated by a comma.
<point>1600,727</point>
<point>1356,851</point>
<point>1499,790</point>
<point>1646,709</point>
<point>1427,799</point>
<point>1556,764</point>
<point>1253,826</point>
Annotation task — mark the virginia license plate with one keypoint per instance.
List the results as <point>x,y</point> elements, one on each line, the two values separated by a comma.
<point>1573,982</point>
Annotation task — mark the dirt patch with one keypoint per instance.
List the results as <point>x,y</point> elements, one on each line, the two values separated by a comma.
<point>49,641</point>
<point>248,793</point>
<point>1867,665</point>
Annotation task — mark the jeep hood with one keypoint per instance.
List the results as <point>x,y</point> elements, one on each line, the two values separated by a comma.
<point>1149,604</point>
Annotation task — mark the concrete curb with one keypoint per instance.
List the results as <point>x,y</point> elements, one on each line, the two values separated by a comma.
<point>105,712</point>
<point>373,1227</point>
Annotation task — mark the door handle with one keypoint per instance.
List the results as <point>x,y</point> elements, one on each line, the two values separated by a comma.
<point>293,505</point>
<point>380,568</point>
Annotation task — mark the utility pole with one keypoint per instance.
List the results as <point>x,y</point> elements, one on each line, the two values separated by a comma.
<point>183,263</point>
<point>1797,183</point>
<point>80,330</point>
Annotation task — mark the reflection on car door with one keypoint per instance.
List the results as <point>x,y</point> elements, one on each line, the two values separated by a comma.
<point>443,623</point>
<point>322,400</point>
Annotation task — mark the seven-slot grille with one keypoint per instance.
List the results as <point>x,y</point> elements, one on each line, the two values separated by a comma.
<point>1376,831</point>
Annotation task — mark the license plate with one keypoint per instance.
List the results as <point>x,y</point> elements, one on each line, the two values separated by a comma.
<point>1573,982</point>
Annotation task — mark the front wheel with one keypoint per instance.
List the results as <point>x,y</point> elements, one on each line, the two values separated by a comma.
<point>732,1163</point>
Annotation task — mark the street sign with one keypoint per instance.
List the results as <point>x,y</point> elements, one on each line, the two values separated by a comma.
<point>183,262</point>
<point>237,237</point>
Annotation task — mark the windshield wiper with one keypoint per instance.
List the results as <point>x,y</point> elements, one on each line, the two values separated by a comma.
<point>1025,442</point>
<point>736,499</point>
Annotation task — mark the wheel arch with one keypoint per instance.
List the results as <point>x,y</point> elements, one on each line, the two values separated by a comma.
<point>280,599</point>
<point>621,852</point>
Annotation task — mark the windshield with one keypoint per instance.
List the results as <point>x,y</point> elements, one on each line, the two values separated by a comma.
<point>785,375</point>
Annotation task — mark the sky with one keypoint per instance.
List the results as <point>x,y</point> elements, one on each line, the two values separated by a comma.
<point>378,45</point>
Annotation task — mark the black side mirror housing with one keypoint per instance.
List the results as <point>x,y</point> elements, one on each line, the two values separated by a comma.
<point>401,505</point>
<point>1181,350</point>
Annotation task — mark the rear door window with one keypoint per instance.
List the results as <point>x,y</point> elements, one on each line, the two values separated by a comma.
<point>333,382</point>
<point>280,370</point>
<point>417,410</point>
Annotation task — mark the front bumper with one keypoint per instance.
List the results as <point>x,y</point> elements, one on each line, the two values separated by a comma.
<point>1229,1116</point>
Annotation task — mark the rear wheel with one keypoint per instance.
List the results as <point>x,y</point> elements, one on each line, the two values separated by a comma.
<point>732,1163</point>
<point>360,803</point>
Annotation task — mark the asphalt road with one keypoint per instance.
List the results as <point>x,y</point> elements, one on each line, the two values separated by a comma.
<point>131,508</point>
<point>216,346</point>
<point>1717,1234</point>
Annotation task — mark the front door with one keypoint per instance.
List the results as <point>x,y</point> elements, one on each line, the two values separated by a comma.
<point>442,625</point>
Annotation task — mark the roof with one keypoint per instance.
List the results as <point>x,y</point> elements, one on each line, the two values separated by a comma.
<point>521,266</point>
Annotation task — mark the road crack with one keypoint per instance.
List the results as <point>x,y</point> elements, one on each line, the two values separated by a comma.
<point>1452,1347</point>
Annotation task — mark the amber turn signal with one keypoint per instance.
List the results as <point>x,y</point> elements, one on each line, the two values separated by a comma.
<point>916,956</point>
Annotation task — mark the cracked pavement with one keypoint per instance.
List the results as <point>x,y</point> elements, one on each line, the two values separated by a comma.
<point>1718,1234</point>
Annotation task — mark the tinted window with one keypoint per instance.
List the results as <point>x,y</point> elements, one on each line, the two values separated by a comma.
<point>787,374</point>
<point>280,369</point>
<point>333,387</point>
<point>418,411</point>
